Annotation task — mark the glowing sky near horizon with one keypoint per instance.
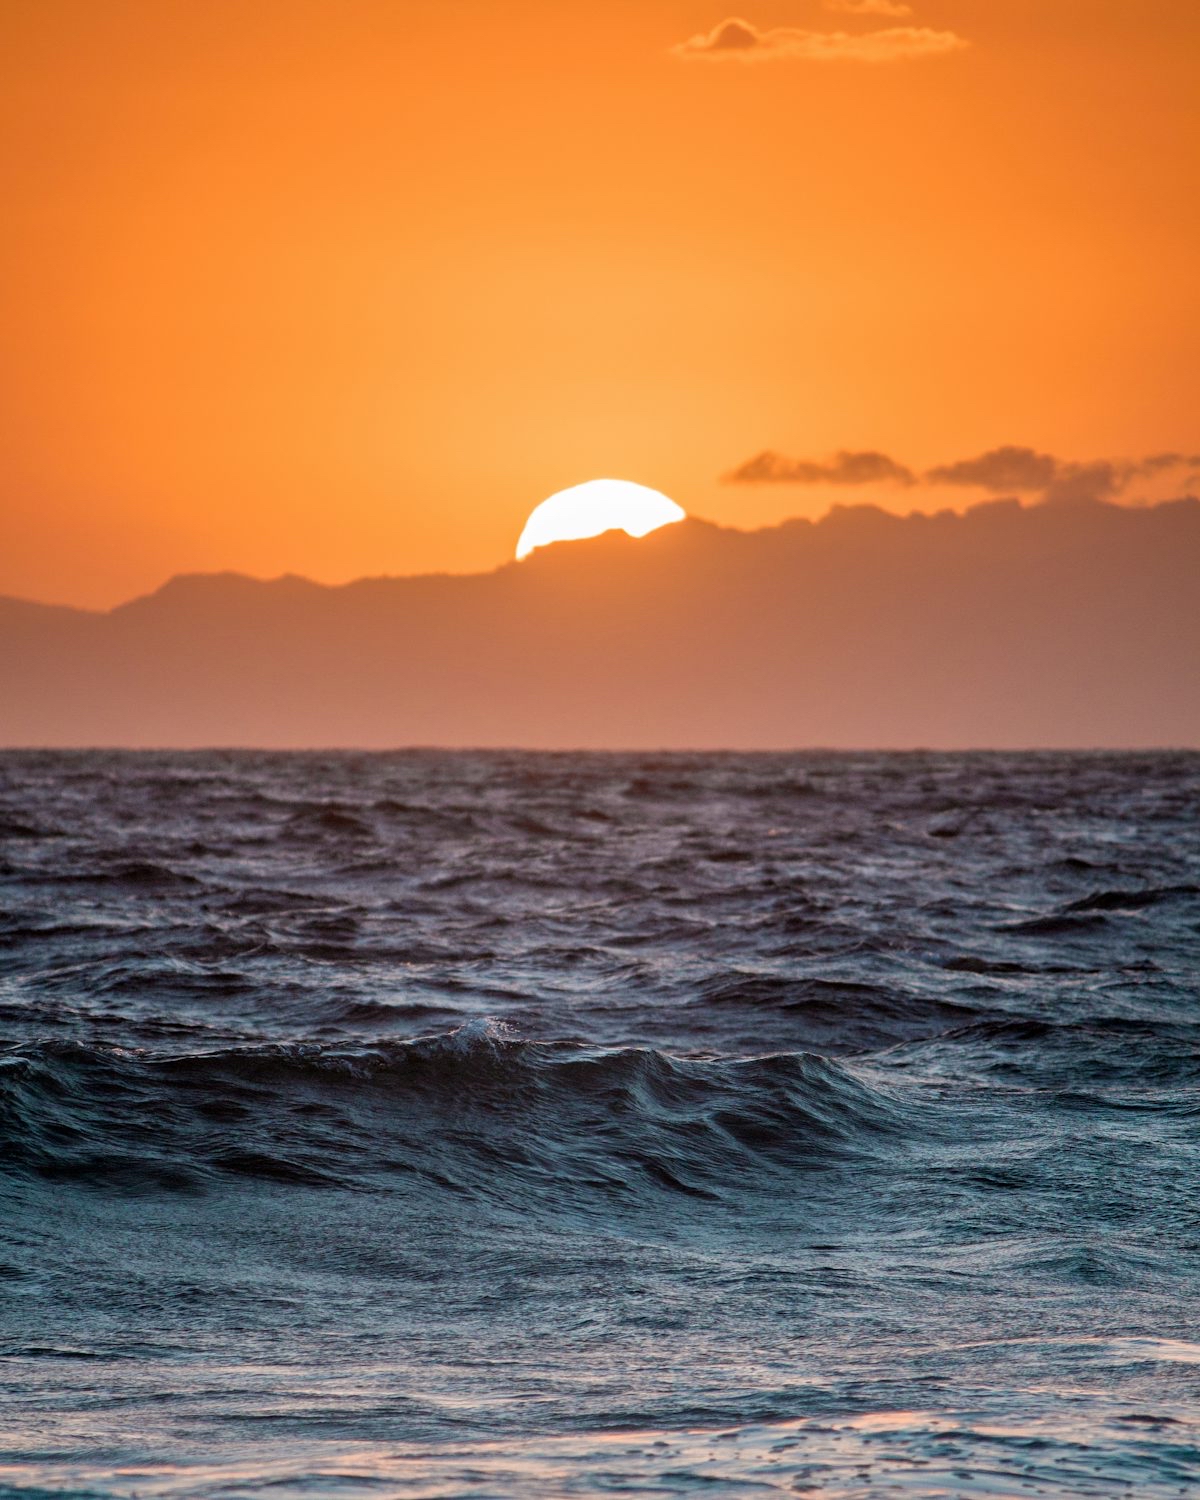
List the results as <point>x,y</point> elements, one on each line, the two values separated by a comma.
<point>341,288</point>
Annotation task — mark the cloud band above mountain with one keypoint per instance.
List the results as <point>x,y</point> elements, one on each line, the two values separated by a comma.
<point>1006,470</point>
<point>843,468</point>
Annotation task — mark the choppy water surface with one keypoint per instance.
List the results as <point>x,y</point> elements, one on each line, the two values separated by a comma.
<point>504,1124</point>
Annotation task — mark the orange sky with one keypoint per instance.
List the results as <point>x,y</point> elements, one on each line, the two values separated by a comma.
<point>345,287</point>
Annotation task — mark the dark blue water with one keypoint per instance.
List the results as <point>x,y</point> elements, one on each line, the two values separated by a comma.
<point>506,1124</point>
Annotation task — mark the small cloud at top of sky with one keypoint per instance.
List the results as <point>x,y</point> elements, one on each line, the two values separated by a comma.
<point>740,41</point>
<point>869,7</point>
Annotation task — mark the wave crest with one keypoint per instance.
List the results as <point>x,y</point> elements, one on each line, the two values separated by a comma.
<point>477,1111</point>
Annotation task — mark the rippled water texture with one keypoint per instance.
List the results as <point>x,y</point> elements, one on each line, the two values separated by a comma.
<point>504,1124</point>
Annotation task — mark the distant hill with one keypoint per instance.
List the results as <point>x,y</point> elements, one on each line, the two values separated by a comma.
<point>1007,626</point>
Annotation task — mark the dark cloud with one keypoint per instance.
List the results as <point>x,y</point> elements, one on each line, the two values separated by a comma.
<point>1000,470</point>
<point>739,41</point>
<point>1159,461</point>
<point>730,36</point>
<point>1056,481</point>
<point>843,468</point>
<point>1009,470</point>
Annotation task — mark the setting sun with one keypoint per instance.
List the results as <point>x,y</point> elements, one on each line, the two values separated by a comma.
<point>590,509</point>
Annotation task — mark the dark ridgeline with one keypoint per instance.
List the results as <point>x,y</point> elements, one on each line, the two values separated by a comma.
<point>1054,625</point>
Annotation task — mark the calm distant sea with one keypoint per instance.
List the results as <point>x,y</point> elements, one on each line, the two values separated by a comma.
<point>542,1125</point>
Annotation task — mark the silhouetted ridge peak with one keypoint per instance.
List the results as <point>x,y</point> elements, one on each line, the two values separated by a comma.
<point>14,610</point>
<point>215,590</point>
<point>673,537</point>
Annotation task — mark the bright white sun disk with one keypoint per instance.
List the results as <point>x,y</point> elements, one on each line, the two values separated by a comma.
<point>593,508</point>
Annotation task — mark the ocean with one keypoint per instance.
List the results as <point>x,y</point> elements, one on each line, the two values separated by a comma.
<point>507,1124</point>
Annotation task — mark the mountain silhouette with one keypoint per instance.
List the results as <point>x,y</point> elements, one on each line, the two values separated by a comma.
<point>1008,626</point>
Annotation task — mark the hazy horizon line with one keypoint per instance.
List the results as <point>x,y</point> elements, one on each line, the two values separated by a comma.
<point>639,752</point>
